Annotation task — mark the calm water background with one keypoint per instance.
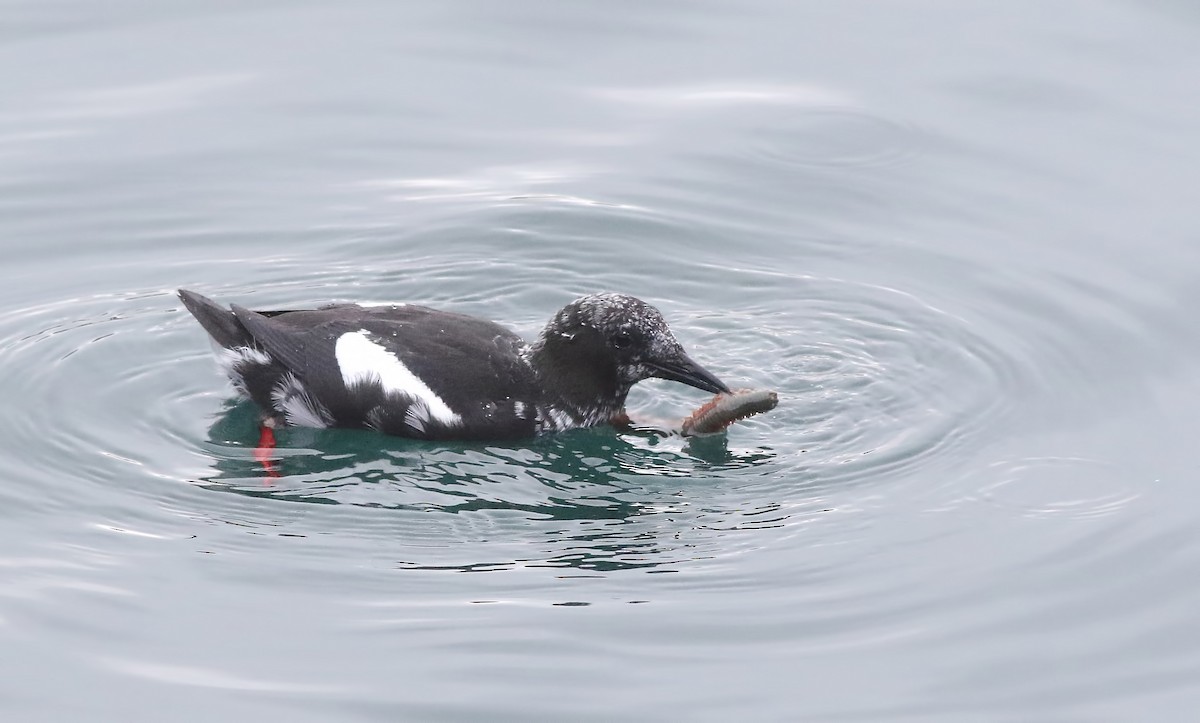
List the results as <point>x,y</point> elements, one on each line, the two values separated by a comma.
<point>960,238</point>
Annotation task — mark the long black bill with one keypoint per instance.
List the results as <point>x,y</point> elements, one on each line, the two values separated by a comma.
<point>683,369</point>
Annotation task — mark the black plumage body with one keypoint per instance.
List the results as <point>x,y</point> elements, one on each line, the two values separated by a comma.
<point>413,371</point>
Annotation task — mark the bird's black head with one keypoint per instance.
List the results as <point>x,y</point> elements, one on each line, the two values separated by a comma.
<point>615,341</point>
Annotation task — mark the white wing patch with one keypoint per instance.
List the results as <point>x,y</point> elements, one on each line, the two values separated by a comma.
<point>362,361</point>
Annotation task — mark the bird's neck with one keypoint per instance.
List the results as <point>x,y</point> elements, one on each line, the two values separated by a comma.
<point>585,385</point>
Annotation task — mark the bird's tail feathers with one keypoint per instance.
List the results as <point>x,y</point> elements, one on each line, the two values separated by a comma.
<point>219,322</point>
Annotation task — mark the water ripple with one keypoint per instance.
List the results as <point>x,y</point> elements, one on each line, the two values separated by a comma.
<point>836,137</point>
<point>882,393</point>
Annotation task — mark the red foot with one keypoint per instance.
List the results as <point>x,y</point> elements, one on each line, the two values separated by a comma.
<point>262,453</point>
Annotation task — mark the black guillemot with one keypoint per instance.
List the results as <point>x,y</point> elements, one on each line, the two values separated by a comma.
<point>413,371</point>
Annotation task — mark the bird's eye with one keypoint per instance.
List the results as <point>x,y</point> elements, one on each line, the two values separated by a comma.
<point>622,340</point>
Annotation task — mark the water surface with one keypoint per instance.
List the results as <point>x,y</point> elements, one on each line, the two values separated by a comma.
<point>959,241</point>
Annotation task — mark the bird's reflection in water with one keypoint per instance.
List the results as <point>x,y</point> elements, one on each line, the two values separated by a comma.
<point>592,499</point>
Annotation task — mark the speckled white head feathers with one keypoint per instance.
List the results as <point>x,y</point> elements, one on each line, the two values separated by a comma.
<point>614,315</point>
<point>632,334</point>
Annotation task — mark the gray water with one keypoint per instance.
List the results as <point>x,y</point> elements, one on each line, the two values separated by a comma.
<point>959,238</point>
